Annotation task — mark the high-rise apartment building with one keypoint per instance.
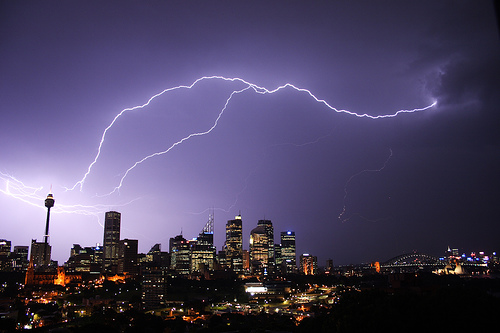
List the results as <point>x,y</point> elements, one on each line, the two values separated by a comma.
<point>234,244</point>
<point>111,241</point>
<point>154,286</point>
<point>288,253</point>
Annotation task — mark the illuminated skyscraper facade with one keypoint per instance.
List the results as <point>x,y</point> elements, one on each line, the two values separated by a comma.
<point>308,264</point>
<point>234,244</point>
<point>259,250</point>
<point>203,249</point>
<point>288,253</point>
<point>180,258</point>
<point>111,241</point>
<point>269,229</point>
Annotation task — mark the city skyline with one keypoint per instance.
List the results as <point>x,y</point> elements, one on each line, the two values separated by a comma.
<point>186,254</point>
<point>354,189</point>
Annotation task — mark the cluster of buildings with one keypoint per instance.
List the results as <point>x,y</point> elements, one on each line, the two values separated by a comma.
<point>266,260</point>
<point>196,258</point>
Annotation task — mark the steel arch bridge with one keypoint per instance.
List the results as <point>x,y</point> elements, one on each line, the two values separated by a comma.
<point>413,259</point>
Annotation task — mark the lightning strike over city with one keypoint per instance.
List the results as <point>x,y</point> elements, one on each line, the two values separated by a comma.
<point>255,88</point>
<point>173,114</point>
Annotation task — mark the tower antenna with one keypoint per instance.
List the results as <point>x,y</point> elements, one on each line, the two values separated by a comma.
<point>49,203</point>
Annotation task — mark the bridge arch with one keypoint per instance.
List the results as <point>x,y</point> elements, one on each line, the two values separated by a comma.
<point>412,259</point>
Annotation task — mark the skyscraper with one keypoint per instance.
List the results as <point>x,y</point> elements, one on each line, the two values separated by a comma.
<point>288,254</point>
<point>180,255</point>
<point>40,253</point>
<point>203,249</point>
<point>268,227</point>
<point>234,244</point>
<point>111,241</point>
<point>259,250</point>
<point>127,261</point>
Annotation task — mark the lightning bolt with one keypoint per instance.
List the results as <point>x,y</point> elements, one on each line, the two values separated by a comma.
<point>18,190</point>
<point>117,188</point>
<point>347,184</point>
<point>247,86</point>
<point>30,195</point>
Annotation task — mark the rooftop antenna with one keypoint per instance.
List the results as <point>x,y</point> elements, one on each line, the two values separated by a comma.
<point>209,226</point>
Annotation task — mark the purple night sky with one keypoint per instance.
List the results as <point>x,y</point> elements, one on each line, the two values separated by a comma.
<point>417,181</point>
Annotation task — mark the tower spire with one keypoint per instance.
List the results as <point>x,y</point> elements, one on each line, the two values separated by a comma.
<point>209,226</point>
<point>49,203</point>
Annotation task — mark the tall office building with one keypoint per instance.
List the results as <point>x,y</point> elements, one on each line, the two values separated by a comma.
<point>234,244</point>
<point>203,249</point>
<point>259,250</point>
<point>268,226</point>
<point>111,241</point>
<point>277,255</point>
<point>40,254</point>
<point>288,254</point>
<point>127,261</point>
<point>20,258</point>
<point>180,258</point>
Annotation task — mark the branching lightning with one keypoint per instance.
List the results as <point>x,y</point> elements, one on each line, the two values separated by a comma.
<point>341,216</point>
<point>18,190</point>
<point>32,195</point>
<point>247,85</point>
<point>117,188</point>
